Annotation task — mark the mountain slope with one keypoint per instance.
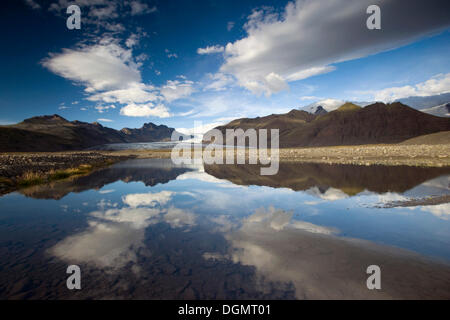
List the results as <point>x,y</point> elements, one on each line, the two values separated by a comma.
<point>350,125</point>
<point>54,133</point>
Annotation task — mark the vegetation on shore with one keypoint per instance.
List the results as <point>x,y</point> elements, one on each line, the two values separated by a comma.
<point>31,178</point>
<point>67,166</point>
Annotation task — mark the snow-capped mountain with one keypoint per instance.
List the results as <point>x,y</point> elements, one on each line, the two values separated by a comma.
<point>326,104</point>
<point>442,110</point>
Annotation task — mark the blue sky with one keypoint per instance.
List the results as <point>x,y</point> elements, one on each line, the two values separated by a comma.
<point>176,62</point>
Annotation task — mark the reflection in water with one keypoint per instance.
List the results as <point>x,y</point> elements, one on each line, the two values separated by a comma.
<point>341,179</point>
<point>115,234</point>
<point>322,266</point>
<point>158,171</point>
<point>148,229</point>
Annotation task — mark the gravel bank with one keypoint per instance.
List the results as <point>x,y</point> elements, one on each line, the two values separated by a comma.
<point>391,155</point>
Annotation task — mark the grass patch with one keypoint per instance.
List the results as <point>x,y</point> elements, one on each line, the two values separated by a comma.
<point>30,179</point>
<point>64,174</point>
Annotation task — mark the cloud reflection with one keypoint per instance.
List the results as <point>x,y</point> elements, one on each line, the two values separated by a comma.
<point>115,235</point>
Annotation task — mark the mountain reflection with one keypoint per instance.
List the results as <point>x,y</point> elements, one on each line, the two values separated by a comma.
<point>150,173</point>
<point>338,180</point>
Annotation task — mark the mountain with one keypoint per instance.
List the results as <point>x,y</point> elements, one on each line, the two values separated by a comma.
<point>427,102</point>
<point>148,133</point>
<point>320,110</point>
<point>54,133</point>
<point>324,104</point>
<point>442,110</point>
<point>348,125</point>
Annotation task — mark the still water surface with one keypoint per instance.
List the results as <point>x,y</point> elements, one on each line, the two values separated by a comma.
<point>146,229</point>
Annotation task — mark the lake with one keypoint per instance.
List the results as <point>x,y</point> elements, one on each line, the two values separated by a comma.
<point>148,229</point>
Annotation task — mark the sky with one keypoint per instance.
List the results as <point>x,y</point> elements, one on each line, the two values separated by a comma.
<point>179,62</point>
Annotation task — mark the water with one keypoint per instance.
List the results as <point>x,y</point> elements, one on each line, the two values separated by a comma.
<point>146,229</point>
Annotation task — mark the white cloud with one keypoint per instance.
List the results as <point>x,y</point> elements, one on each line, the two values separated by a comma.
<point>211,49</point>
<point>170,54</point>
<point>437,84</point>
<point>219,82</point>
<point>98,67</point>
<point>135,92</point>
<point>145,110</point>
<point>102,109</point>
<point>175,89</point>
<point>331,194</point>
<point>148,199</point>
<point>441,211</point>
<point>138,8</point>
<point>328,104</point>
<point>96,12</point>
<point>310,36</point>
<point>178,218</point>
<point>104,120</point>
<point>230,25</point>
<point>110,74</point>
<point>303,74</point>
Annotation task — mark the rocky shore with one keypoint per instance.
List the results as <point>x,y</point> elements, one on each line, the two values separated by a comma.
<point>437,155</point>
<point>390,155</point>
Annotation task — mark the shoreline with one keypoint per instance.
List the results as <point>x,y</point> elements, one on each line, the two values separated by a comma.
<point>437,155</point>
<point>22,169</point>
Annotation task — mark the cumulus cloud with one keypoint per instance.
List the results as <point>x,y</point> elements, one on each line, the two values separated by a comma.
<point>178,218</point>
<point>105,65</point>
<point>111,74</point>
<point>211,49</point>
<point>310,36</point>
<point>135,92</point>
<point>102,109</point>
<point>148,199</point>
<point>115,235</point>
<point>441,211</point>
<point>219,81</point>
<point>438,84</point>
<point>145,110</point>
<point>176,89</point>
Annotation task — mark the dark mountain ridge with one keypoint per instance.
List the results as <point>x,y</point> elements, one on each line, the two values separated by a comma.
<point>55,133</point>
<point>348,125</point>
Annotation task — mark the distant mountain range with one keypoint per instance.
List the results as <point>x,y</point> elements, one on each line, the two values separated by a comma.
<point>347,125</point>
<point>437,105</point>
<point>54,133</point>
